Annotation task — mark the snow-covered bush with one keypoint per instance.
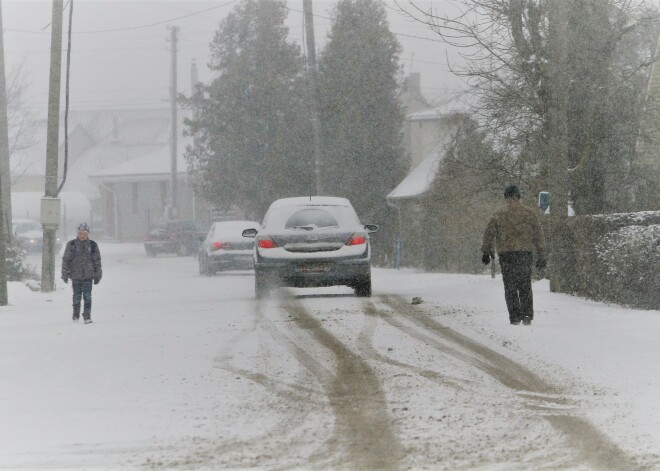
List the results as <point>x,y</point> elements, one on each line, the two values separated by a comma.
<point>632,257</point>
<point>17,270</point>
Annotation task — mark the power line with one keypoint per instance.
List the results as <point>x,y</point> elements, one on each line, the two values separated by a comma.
<point>199,12</point>
<point>132,28</point>
<point>412,36</point>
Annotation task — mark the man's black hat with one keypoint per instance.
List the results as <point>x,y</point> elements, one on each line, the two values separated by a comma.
<point>511,191</point>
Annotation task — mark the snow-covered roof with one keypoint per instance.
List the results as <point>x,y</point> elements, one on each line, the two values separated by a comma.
<point>420,179</point>
<point>130,126</point>
<point>155,164</point>
<point>459,104</point>
<point>311,200</point>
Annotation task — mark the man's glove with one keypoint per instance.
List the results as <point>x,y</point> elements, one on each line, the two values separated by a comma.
<point>541,263</point>
<point>485,259</point>
<point>65,279</point>
<point>97,280</point>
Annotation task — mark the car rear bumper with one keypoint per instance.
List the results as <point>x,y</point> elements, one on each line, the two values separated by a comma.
<point>240,260</point>
<point>313,273</point>
<point>160,245</point>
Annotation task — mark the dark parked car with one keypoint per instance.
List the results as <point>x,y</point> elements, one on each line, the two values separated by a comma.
<point>312,241</point>
<point>224,248</point>
<point>181,237</point>
<point>30,235</point>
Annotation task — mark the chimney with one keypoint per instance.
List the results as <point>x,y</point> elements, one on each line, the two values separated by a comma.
<point>415,83</point>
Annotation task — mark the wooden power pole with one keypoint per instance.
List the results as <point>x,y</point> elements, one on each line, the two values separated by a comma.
<point>558,142</point>
<point>173,210</point>
<point>52,145</point>
<point>313,96</point>
<point>5,180</point>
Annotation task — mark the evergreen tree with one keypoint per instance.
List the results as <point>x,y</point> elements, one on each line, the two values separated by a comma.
<point>251,125</point>
<point>361,118</point>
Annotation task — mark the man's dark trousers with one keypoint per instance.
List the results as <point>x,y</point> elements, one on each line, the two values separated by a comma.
<point>517,275</point>
<point>82,289</point>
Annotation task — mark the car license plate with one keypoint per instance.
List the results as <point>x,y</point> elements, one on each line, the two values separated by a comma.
<point>315,268</point>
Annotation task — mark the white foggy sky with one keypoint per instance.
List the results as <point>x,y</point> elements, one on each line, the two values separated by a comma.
<point>130,67</point>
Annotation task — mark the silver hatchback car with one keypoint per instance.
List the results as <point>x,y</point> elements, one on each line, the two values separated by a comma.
<point>225,249</point>
<point>312,242</point>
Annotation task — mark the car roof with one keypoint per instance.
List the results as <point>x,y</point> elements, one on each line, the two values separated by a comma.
<point>235,223</point>
<point>15,221</point>
<point>22,220</point>
<point>311,201</point>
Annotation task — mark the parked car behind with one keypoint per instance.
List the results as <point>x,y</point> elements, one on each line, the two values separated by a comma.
<point>181,237</point>
<point>312,241</point>
<point>30,235</point>
<point>225,248</point>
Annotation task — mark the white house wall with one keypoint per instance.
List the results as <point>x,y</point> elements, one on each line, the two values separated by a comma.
<point>141,204</point>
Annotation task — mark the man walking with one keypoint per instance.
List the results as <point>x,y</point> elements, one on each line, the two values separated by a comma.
<point>82,264</point>
<point>516,232</point>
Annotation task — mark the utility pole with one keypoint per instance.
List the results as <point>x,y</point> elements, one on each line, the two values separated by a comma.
<point>174,210</point>
<point>4,135</point>
<point>558,143</point>
<point>5,180</point>
<point>52,145</point>
<point>312,92</point>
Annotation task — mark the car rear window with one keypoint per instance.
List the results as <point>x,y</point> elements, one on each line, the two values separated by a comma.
<point>311,217</point>
<point>288,217</point>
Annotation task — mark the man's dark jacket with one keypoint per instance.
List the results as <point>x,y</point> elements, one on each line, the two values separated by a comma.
<point>82,260</point>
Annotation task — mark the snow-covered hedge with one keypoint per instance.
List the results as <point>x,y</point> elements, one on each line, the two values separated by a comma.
<point>632,257</point>
<point>617,258</point>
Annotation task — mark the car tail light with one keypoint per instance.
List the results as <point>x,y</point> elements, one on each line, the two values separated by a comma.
<point>357,240</point>
<point>217,245</point>
<point>267,243</point>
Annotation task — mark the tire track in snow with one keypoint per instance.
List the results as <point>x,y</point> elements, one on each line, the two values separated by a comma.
<point>365,344</point>
<point>592,447</point>
<point>363,425</point>
<point>276,445</point>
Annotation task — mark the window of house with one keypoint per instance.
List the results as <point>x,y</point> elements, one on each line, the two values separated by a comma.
<point>163,193</point>
<point>134,197</point>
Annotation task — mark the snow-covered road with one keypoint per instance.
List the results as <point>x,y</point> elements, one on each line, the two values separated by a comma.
<point>184,371</point>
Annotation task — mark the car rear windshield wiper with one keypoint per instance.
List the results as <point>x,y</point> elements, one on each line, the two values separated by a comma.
<point>311,227</point>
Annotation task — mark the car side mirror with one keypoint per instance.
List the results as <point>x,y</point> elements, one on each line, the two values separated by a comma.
<point>371,228</point>
<point>252,233</point>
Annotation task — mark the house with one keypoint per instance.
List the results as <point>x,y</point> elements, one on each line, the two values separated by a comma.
<point>98,140</point>
<point>412,101</point>
<point>408,196</point>
<point>432,135</point>
<point>135,195</point>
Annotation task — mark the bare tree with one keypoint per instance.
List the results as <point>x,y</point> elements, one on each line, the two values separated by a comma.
<point>509,61</point>
<point>21,122</point>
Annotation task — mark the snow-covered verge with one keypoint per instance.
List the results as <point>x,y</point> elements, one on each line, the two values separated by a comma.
<point>184,371</point>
